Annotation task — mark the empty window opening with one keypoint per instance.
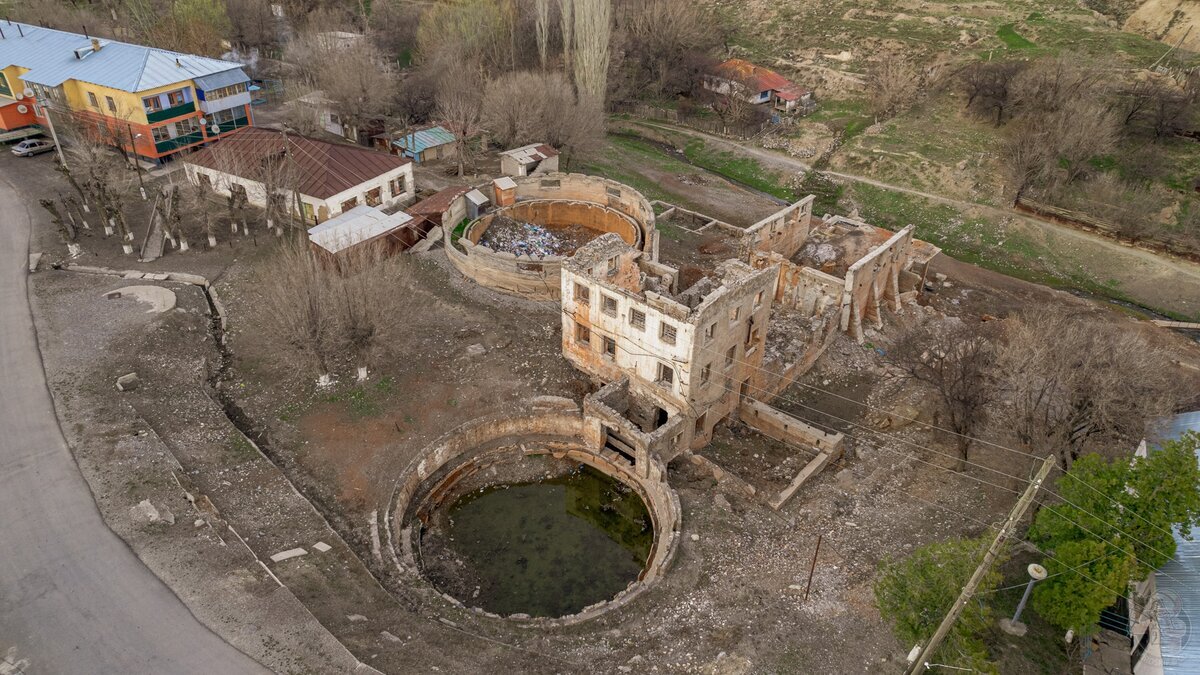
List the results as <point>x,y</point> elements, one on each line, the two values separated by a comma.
<point>610,347</point>
<point>614,442</point>
<point>583,294</point>
<point>608,305</point>
<point>583,334</point>
<point>666,375</point>
<point>667,332</point>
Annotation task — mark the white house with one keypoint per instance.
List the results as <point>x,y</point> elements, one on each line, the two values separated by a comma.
<point>330,178</point>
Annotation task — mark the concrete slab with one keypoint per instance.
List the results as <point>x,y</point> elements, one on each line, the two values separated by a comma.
<point>160,299</point>
<point>288,554</point>
<point>322,547</point>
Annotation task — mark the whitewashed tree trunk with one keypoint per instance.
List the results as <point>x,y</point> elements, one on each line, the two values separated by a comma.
<point>233,227</point>
<point>74,250</point>
<point>128,236</point>
<point>128,248</point>
<point>110,227</point>
<point>362,373</point>
<point>325,381</point>
<point>212,241</point>
<point>183,245</point>
<point>245,228</point>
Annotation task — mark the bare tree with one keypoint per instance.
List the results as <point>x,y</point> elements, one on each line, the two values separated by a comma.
<point>957,362</point>
<point>319,309</point>
<point>394,28</point>
<point>1025,156</point>
<point>734,105</point>
<point>1080,129</point>
<point>593,31</point>
<point>666,45</point>
<point>298,308</point>
<point>514,106</point>
<point>358,84</point>
<point>478,32</point>
<point>542,27</point>
<point>372,294</point>
<point>66,229</point>
<point>101,177</point>
<point>892,86</point>
<point>460,106</point>
<point>251,23</point>
<point>567,23</point>
<point>987,86</point>
<point>1072,385</point>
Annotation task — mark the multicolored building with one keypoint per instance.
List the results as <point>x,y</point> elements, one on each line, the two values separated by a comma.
<point>151,101</point>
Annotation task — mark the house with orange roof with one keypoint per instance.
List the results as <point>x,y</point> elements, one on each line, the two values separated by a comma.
<point>756,84</point>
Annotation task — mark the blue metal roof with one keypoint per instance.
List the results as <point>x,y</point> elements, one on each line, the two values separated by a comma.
<point>50,56</point>
<point>424,139</point>
<point>1177,585</point>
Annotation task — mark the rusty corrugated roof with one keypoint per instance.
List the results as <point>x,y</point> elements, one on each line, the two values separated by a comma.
<point>323,169</point>
<point>439,202</point>
<point>764,79</point>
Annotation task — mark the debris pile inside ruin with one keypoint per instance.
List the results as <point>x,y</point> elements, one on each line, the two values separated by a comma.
<point>520,238</point>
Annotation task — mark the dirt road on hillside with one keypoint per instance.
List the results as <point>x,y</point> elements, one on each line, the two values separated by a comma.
<point>1149,278</point>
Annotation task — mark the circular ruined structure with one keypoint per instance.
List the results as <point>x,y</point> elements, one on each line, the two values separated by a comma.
<point>548,441</point>
<point>518,246</point>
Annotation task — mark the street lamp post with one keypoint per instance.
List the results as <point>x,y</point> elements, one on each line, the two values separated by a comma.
<point>1014,626</point>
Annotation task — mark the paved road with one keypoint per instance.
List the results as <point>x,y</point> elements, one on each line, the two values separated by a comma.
<point>73,597</point>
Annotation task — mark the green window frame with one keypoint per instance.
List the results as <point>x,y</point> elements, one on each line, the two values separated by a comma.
<point>4,88</point>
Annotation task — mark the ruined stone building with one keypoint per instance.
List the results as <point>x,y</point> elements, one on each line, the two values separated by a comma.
<point>675,361</point>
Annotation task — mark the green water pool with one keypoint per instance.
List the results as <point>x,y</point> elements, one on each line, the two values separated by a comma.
<point>552,547</point>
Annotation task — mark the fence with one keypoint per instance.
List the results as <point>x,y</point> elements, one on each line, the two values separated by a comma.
<point>698,122</point>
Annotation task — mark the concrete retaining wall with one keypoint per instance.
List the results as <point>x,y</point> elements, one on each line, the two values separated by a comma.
<point>787,429</point>
<point>563,196</point>
<point>487,436</point>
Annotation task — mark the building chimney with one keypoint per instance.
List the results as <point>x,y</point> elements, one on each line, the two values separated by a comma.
<point>177,63</point>
<point>85,33</point>
<point>1,34</point>
<point>20,30</point>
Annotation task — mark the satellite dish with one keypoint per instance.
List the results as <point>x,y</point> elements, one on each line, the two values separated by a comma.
<point>22,109</point>
<point>28,92</point>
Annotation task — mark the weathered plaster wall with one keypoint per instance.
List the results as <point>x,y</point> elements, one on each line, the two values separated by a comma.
<point>798,287</point>
<point>784,232</point>
<point>787,429</point>
<point>873,282</point>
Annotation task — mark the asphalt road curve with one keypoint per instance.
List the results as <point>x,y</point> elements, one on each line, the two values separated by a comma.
<point>73,597</point>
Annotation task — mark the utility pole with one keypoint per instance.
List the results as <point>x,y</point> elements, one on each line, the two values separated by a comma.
<point>1022,505</point>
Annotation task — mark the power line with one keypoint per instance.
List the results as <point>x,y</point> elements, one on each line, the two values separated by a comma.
<point>916,445</point>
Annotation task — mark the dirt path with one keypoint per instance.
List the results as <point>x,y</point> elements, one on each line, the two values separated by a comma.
<point>1149,278</point>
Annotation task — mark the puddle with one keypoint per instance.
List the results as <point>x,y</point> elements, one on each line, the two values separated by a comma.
<point>550,548</point>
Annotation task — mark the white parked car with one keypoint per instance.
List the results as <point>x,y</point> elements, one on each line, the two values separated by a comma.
<point>32,146</point>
